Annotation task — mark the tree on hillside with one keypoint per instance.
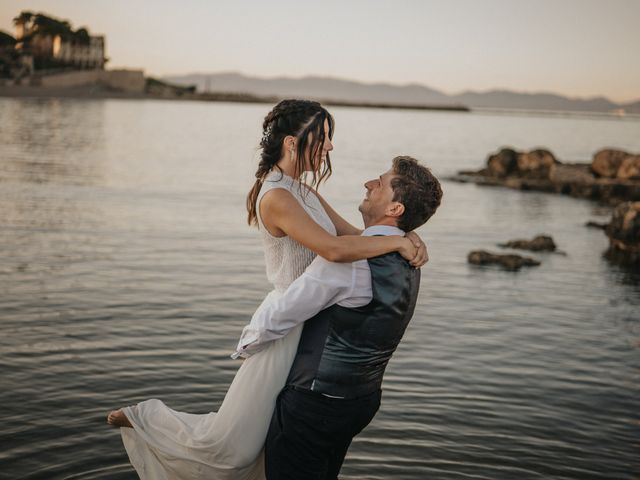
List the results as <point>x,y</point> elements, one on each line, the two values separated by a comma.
<point>6,40</point>
<point>24,17</point>
<point>41,24</point>
<point>50,26</point>
<point>81,36</point>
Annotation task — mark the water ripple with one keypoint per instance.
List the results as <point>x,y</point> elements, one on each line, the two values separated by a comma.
<point>127,272</point>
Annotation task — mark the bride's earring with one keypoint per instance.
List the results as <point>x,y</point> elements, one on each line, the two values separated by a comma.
<point>292,155</point>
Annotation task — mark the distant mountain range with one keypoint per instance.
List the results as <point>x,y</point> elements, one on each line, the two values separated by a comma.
<point>327,88</point>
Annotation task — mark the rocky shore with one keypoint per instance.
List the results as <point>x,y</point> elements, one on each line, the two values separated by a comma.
<point>612,178</point>
<point>624,234</point>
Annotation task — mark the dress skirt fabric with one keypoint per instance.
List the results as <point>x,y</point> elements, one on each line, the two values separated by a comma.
<point>226,445</point>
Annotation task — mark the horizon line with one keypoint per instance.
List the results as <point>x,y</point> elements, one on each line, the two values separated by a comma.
<point>408,84</point>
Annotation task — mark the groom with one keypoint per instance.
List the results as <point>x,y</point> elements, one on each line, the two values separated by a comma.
<point>357,313</point>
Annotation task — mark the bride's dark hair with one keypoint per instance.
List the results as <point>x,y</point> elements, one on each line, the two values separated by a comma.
<point>303,119</point>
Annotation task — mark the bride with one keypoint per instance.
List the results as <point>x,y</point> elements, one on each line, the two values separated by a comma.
<point>296,223</point>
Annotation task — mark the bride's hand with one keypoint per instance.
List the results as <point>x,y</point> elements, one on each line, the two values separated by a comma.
<point>422,256</point>
<point>407,249</point>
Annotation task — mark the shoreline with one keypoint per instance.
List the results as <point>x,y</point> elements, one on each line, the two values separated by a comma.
<point>100,92</point>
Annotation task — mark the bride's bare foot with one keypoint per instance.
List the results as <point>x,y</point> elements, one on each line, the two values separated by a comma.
<point>117,418</point>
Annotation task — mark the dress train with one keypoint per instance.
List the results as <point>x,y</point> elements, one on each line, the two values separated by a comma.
<point>165,444</point>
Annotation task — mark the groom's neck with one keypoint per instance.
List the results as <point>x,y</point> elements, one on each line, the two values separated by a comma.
<point>390,222</point>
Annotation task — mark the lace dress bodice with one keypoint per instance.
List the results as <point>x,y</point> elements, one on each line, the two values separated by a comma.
<point>285,258</point>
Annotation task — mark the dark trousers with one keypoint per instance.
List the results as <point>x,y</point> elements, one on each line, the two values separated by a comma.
<point>310,433</point>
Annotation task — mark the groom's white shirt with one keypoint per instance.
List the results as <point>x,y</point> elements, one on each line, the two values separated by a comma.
<point>322,284</point>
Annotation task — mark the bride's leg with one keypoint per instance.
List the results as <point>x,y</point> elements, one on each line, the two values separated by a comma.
<point>117,418</point>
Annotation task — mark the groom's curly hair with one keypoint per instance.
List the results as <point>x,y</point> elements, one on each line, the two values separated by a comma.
<point>415,187</point>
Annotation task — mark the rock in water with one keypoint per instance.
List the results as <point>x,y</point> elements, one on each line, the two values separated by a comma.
<point>624,233</point>
<point>509,262</point>
<point>536,163</point>
<point>541,243</point>
<point>607,162</point>
<point>630,168</point>
<point>592,224</point>
<point>503,163</point>
<point>612,177</point>
<point>508,162</point>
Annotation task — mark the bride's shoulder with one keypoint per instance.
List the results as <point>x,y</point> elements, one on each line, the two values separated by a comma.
<point>277,200</point>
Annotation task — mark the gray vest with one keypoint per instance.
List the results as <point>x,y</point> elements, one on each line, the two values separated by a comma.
<point>343,352</point>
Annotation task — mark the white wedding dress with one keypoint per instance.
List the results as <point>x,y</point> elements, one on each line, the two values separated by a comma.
<point>228,445</point>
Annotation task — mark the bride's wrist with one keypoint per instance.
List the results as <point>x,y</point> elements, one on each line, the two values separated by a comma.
<point>402,244</point>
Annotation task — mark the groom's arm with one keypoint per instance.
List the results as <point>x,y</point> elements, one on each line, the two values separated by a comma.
<point>322,284</point>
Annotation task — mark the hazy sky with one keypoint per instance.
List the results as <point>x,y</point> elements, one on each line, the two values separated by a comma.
<point>572,47</point>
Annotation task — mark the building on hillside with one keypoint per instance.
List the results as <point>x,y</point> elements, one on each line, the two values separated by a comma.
<point>54,45</point>
<point>90,55</point>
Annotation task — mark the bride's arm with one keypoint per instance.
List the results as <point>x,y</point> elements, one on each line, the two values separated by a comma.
<point>282,215</point>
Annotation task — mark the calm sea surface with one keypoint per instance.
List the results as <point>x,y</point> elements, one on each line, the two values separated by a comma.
<point>127,272</point>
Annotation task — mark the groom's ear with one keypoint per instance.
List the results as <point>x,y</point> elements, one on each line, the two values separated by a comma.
<point>394,209</point>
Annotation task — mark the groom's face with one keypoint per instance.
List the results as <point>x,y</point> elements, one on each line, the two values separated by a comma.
<point>378,197</point>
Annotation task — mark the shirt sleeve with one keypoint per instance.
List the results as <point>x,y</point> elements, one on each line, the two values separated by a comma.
<point>321,285</point>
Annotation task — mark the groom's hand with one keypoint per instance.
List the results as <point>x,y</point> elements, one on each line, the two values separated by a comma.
<point>422,255</point>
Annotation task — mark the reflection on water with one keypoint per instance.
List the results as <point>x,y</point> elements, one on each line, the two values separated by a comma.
<point>621,272</point>
<point>52,140</point>
<point>127,272</point>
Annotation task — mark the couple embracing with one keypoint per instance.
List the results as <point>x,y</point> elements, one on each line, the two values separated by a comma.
<point>317,347</point>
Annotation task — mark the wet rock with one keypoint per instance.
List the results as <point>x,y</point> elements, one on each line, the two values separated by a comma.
<point>613,176</point>
<point>541,243</point>
<point>572,173</point>
<point>611,163</point>
<point>599,225</point>
<point>630,168</point>
<point>503,163</point>
<point>508,262</point>
<point>536,163</point>
<point>607,162</point>
<point>508,162</point>
<point>624,233</point>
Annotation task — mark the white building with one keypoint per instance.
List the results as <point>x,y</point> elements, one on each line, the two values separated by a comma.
<point>82,56</point>
<point>51,50</point>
